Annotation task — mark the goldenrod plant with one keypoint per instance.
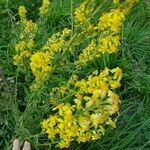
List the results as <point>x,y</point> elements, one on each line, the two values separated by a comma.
<point>92,104</point>
<point>83,106</point>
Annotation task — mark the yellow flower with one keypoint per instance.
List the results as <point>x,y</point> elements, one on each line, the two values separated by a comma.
<point>44,8</point>
<point>71,131</point>
<point>116,20</point>
<point>88,53</point>
<point>22,12</point>
<point>111,20</point>
<point>112,123</point>
<point>64,144</point>
<point>53,120</point>
<point>29,28</point>
<point>109,44</point>
<point>45,124</point>
<point>113,100</point>
<point>18,59</point>
<point>90,103</point>
<point>51,133</point>
<point>82,12</point>
<point>83,137</point>
<point>21,46</point>
<point>68,118</point>
<point>84,123</point>
<point>117,73</point>
<point>114,84</point>
<point>92,107</point>
<point>97,119</point>
<point>104,21</point>
<point>30,43</point>
<point>95,135</point>
<point>39,64</point>
<point>116,1</point>
<point>80,16</point>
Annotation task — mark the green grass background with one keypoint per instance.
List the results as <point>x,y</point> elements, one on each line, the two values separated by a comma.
<point>22,111</point>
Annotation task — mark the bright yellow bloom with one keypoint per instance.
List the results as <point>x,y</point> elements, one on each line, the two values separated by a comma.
<point>22,12</point>
<point>97,119</point>
<point>87,53</point>
<point>64,144</point>
<point>44,8</point>
<point>26,38</point>
<point>19,58</point>
<point>116,1</point>
<point>117,73</point>
<point>84,106</point>
<point>82,12</point>
<point>45,124</point>
<point>83,137</point>
<point>92,107</point>
<point>51,133</point>
<point>111,122</point>
<point>40,64</point>
<point>111,20</point>
<point>84,122</point>
<point>29,27</point>
<point>109,44</point>
<point>21,46</point>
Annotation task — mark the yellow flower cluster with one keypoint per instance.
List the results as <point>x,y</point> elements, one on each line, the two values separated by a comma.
<point>44,8</point>
<point>88,53</point>
<point>109,44</point>
<point>82,13</point>
<point>88,104</point>
<point>22,12</point>
<point>130,2</point>
<point>105,33</point>
<point>111,21</point>
<point>116,1</point>
<point>85,106</point>
<point>103,37</point>
<point>26,38</point>
<point>93,104</point>
<point>41,60</point>
<point>107,39</point>
<point>39,64</point>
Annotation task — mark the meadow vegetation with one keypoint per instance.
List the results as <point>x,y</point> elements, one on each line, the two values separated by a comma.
<point>59,69</point>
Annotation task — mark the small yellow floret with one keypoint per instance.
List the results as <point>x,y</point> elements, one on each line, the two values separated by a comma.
<point>116,1</point>
<point>44,8</point>
<point>22,12</point>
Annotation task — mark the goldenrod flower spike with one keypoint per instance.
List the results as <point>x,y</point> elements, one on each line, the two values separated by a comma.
<point>39,64</point>
<point>22,12</point>
<point>26,38</point>
<point>45,6</point>
<point>82,13</point>
<point>89,104</point>
<point>92,108</point>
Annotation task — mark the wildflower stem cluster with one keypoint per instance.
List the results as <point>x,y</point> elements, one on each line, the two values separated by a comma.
<point>92,103</point>
<point>83,107</point>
